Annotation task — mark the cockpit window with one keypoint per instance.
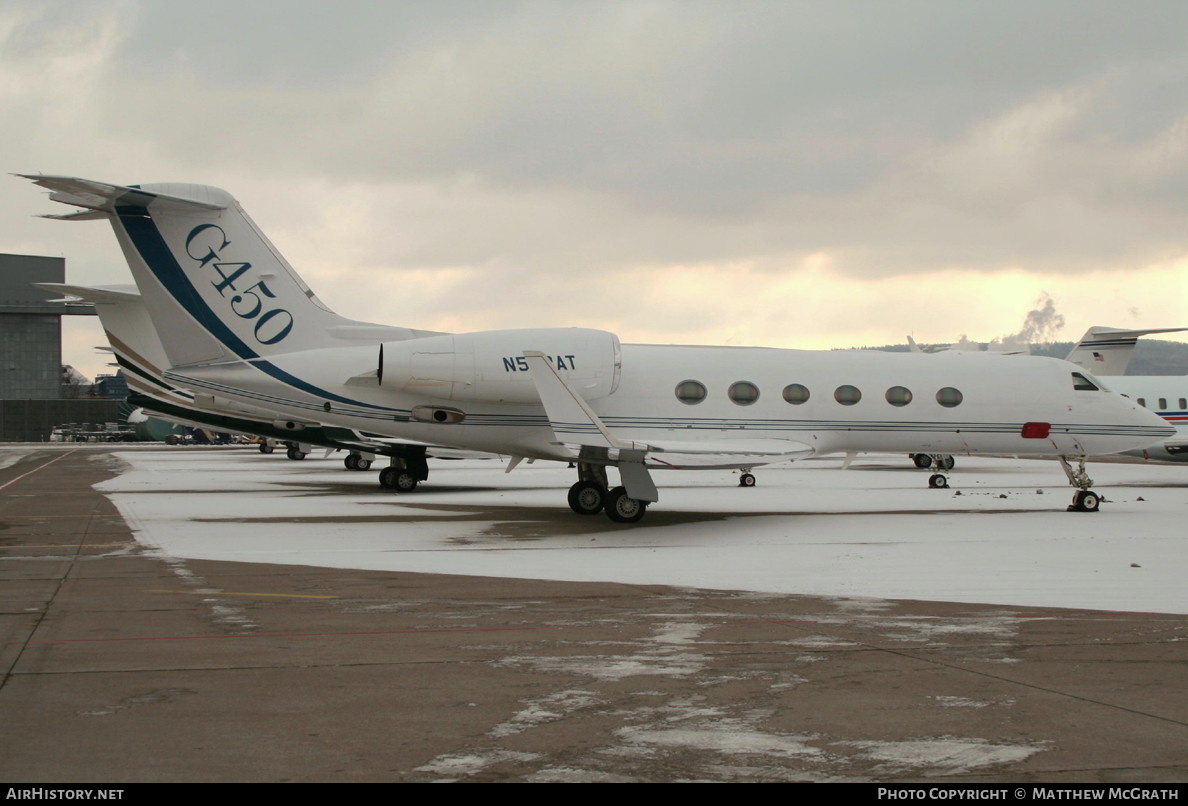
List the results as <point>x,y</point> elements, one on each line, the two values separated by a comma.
<point>1083,384</point>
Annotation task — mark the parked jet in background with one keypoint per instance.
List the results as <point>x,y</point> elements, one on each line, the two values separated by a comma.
<point>139,353</point>
<point>1106,351</point>
<point>236,322</point>
<point>1110,349</point>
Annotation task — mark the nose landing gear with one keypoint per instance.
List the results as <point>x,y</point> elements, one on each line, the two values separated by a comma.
<point>1084,500</point>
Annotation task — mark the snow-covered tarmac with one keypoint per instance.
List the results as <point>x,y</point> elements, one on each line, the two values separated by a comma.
<point>1000,535</point>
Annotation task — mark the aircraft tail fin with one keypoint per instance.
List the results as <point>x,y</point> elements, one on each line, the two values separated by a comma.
<point>216,287</point>
<point>1108,350</point>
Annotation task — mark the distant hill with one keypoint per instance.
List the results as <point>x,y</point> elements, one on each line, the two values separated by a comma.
<point>1151,356</point>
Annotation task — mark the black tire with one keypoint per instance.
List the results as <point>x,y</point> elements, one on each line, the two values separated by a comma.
<point>404,481</point>
<point>587,498</point>
<point>938,482</point>
<point>946,463</point>
<point>746,480</point>
<point>265,447</point>
<point>621,508</point>
<point>1087,501</point>
<point>351,462</point>
<point>922,460</point>
<point>171,439</point>
<point>295,454</point>
<point>363,464</point>
<point>387,478</point>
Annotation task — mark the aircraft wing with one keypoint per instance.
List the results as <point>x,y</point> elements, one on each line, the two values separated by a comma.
<point>576,425</point>
<point>369,442</point>
<point>703,454</point>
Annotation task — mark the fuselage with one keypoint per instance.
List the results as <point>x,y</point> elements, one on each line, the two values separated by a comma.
<point>835,401</point>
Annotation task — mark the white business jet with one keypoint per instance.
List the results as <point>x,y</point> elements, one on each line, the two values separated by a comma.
<point>138,351</point>
<point>238,323</point>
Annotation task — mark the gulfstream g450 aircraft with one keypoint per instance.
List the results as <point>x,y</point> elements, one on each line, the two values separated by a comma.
<point>237,323</point>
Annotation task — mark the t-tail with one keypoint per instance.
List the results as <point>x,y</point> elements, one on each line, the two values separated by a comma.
<point>217,288</point>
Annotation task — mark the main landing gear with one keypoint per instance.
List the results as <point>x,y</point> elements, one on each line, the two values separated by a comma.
<point>404,473</point>
<point>356,461</point>
<point>746,479</point>
<point>1084,500</point>
<point>589,496</point>
<point>943,461</point>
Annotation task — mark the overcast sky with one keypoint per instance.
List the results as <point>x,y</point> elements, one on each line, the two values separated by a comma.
<point>779,173</point>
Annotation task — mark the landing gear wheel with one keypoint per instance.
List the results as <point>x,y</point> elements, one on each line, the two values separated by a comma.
<point>587,498</point>
<point>265,447</point>
<point>922,460</point>
<point>296,454</point>
<point>394,478</point>
<point>938,482</point>
<point>1086,501</point>
<point>945,463</point>
<point>622,509</point>
<point>746,480</point>
<point>363,464</point>
<point>351,462</point>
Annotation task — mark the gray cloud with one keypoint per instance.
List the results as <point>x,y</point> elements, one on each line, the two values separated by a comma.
<point>571,141</point>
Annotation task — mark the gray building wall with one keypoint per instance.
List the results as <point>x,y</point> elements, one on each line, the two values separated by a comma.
<point>30,330</point>
<point>30,356</point>
<point>31,353</point>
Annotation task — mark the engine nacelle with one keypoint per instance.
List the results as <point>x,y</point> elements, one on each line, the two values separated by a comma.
<point>489,366</point>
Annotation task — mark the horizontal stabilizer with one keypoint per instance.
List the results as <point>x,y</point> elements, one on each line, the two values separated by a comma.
<point>102,197</point>
<point>115,293</point>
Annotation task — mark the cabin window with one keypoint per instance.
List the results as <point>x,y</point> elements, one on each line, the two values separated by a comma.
<point>796,393</point>
<point>744,393</point>
<point>1142,401</point>
<point>1182,402</point>
<point>899,396</point>
<point>847,395</point>
<point>1083,384</point>
<point>949,397</point>
<point>1163,404</point>
<point>690,392</point>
